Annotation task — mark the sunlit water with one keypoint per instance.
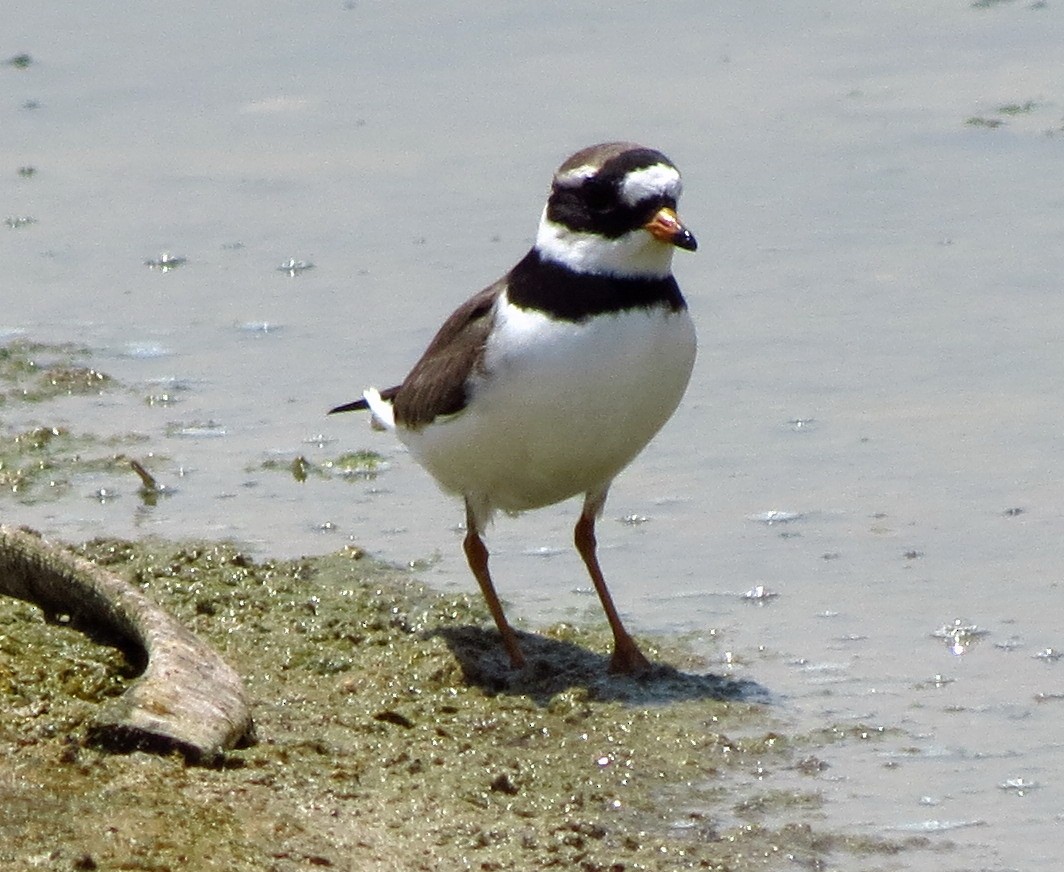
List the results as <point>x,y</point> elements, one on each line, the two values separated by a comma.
<point>874,428</point>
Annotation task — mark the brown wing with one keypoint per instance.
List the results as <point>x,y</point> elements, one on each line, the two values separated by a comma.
<point>437,383</point>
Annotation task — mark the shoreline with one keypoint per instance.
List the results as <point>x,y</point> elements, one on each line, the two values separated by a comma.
<point>392,735</point>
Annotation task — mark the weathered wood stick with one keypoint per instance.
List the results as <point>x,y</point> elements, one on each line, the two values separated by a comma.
<point>188,699</point>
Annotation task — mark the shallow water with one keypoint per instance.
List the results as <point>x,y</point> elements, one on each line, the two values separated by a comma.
<point>876,292</point>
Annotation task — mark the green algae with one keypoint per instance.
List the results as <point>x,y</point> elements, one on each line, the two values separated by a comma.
<point>351,466</point>
<point>1029,111</point>
<point>42,463</point>
<point>980,121</point>
<point>34,372</point>
<point>1024,108</point>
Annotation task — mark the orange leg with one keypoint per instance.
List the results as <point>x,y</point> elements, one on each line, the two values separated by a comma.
<point>627,658</point>
<point>477,556</point>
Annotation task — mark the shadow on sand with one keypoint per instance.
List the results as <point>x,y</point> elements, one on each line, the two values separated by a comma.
<point>555,666</point>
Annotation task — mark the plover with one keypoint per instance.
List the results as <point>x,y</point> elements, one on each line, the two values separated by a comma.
<point>546,384</point>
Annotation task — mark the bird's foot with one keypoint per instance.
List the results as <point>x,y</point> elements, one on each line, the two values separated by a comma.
<point>628,659</point>
<point>517,657</point>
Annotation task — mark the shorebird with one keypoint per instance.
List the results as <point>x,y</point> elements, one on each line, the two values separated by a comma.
<point>547,383</point>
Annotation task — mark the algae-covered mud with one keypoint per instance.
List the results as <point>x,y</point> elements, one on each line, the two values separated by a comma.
<point>392,736</point>
<point>391,732</point>
<point>40,461</point>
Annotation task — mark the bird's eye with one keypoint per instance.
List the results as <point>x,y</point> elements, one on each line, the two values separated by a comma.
<point>598,195</point>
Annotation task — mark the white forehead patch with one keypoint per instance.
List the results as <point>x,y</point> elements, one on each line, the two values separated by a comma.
<point>660,180</point>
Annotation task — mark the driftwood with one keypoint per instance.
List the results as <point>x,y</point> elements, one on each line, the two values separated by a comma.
<point>188,699</point>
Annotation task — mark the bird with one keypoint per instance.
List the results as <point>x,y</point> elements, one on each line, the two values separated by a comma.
<point>547,383</point>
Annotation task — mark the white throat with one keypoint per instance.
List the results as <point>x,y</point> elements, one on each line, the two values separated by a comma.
<point>637,254</point>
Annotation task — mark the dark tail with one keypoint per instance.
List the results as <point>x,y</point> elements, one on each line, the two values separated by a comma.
<point>362,405</point>
<point>356,406</point>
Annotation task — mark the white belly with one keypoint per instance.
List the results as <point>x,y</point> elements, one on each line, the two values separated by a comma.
<point>562,408</point>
